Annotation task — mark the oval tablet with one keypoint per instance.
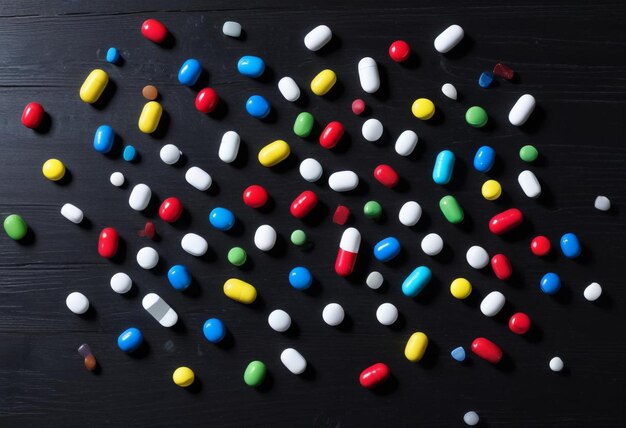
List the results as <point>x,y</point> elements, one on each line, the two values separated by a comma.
<point>198,178</point>
<point>240,291</point>
<point>410,213</point>
<point>444,166</point>
<point>293,360</point>
<point>505,221</point>
<point>492,303</point>
<point>331,135</point>
<point>406,143</point>
<point>368,75</point>
<point>189,72</point>
<point>140,197</point>
<point>93,86</point>
<point>160,311</point>
<point>529,184</point>
<point>593,292</point>
<point>72,213</point>
<point>107,242</point>
<point>416,281</point>
<point>387,249</point>
<point>274,153</point>
<point>289,89</point>
<point>150,117</point>
<point>484,159</point>
<point>570,246</point>
<point>323,82</point>
<point>416,347</point>
<point>374,375</point>
<point>343,181</point>
<point>194,244</point>
<point>229,147</point>
<point>77,303</point>
<point>318,37</point>
<point>522,110</point>
<point>265,237</point>
<point>449,38</point>
<point>130,340</point>
<point>103,139</point>
<point>251,66</point>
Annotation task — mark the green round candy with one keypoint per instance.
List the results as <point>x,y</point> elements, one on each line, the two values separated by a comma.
<point>528,153</point>
<point>303,125</point>
<point>237,256</point>
<point>451,209</point>
<point>372,209</point>
<point>476,117</point>
<point>15,227</point>
<point>255,373</point>
<point>298,237</point>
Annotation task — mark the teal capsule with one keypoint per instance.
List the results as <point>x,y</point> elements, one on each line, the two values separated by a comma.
<point>444,165</point>
<point>416,281</point>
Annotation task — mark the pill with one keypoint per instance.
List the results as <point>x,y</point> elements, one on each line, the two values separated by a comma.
<point>251,66</point>
<point>556,364</point>
<point>140,197</point>
<point>179,277</point>
<point>444,167</point>
<point>476,117</point>
<point>207,100</point>
<point>343,181</point>
<point>602,203</point>
<point>487,350</point>
<point>130,340</point>
<point>348,251</point>
<point>374,375</point>
<point>387,249</point>
<point>214,330</point>
<point>317,38</point>
<point>492,303</point>
<point>293,360</point>
<point>311,170</point>
<point>451,209</point>
<point>240,291</point>
<point>386,175</point>
<point>333,314</point>
<point>32,115</point>
<point>274,153</point>
<point>107,242</point>
<point>432,244</point>
<point>279,320</point>
<point>504,71</point>
<point>519,323</point>
<point>374,280</point>
<point>300,278</point>
<point>154,30</point>
<point>484,159</point>
<point>198,178</point>
<point>501,267</point>
<point>194,244</point>
<point>149,230</point>
<point>358,106</point>
<point>458,354</point>
<point>416,281</point>
<point>323,82</point>
<point>528,153</point>
<point>570,246</point>
<point>406,143</point>
<point>189,72</point>
<point>159,309</point>
<point>460,288</point>
<point>298,238</point>
<point>150,117</point>
<point>303,204</point>
<point>372,130</point>
<point>255,373</point>
<point>592,292</point>
<point>485,79</point>
<point>129,153</point>
<point>373,210</point>
<point>387,314</point>
<point>471,418</point>
<point>237,256</point>
<point>540,246</point>
<point>331,135</point>
<point>170,210</point>
<point>550,283</point>
<point>94,86</point>
<point>258,107</point>
<point>303,125</point>
<point>265,237</point>
<point>77,303</point>
<point>449,91</point>
<point>117,179</point>
<point>112,56</point>
<point>231,29</point>
<point>222,219</point>
<point>121,283</point>
<point>491,190</point>
<point>255,196</point>
<point>416,347</point>
<point>529,184</point>
<point>147,257</point>
<point>423,108</point>
<point>522,110</point>
<point>368,75</point>
<point>410,213</point>
<point>170,154</point>
<point>150,92</point>
<point>183,377</point>
<point>399,51</point>
<point>53,169</point>
<point>449,38</point>
<point>72,213</point>
<point>289,89</point>
<point>229,147</point>
<point>477,257</point>
<point>505,221</point>
<point>88,358</point>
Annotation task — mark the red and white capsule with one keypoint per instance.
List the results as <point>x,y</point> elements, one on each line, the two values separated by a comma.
<point>348,250</point>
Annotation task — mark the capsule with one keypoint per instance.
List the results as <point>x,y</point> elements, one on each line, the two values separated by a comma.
<point>289,89</point>
<point>451,209</point>
<point>93,86</point>
<point>194,244</point>
<point>198,178</point>
<point>331,135</point>
<point>32,115</point>
<point>88,358</point>
<point>189,72</point>
<point>387,176</point>
<point>240,291</point>
<point>570,246</point>
<point>323,82</point>
<point>444,166</point>
<point>492,304</point>
<point>522,110</point>
<point>505,221</point>
<point>303,125</point>
<point>368,75</point>
<point>484,159</point>
<point>343,181</point>
<point>374,375</point>
<point>348,251</point>
<point>303,204</point>
<point>501,267</point>
<point>222,219</point>
<point>274,153</point>
<point>229,147</point>
<point>130,340</point>
<point>293,360</point>
<point>207,100</point>
<point>387,249</point>
<point>416,281</point>
<point>416,346</point>
<point>103,139</point>
<point>150,117</point>
<point>449,38</point>
<point>318,38</point>
<point>406,143</point>
<point>140,197</point>
<point>159,309</point>
<point>529,183</point>
<point>487,350</point>
<point>108,242</point>
<point>251,66</point>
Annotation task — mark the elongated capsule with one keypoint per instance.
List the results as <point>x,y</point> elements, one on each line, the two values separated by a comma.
<point>331,135</point>
<point>368,75</point>
<point>303,204</point>
<point>93,86</point>
<point>274,153</point>
<point>348,251</point>
<point>318,37</point>
<point>240,291</point>
<point>374,375</point>
<point>89,360</point>
<point>444,166</point>
<point>108,242</point>
<point>522,110</point>
<point>451,209</point>
<point>416,346</point>
<point>159,309</point>
<point>416,281</point>
<point>150,117</point>
<point>323,82</point>
<point>487,350</point>
<point>505,221</point>
<point>229,147</point>
<point>529,183</point>
<point>449,38</point>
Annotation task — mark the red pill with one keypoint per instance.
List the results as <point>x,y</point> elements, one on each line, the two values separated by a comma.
<point>341,216</point>
<point>540,246</point>
<point>154,30</point>
<point>331,135</point>
<point>487,350</point>
<point>519,323</point>
<point>32,115</point>
<point>107,243</point>
<point>373,375</point>
<point>386,176</point>
<point>149,231</point>
<point>171,210</point>
<point>501,266</point>
<point>207,100</point>
<point>255,196</point>
<point>303,204</point>
<point>504,71</point>
<point>399,51</point>
<point>358,106</point>
<point>505,221</point>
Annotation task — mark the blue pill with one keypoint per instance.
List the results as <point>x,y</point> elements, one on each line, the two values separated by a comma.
<point>130,340</point>
<point>129,153</point>
<point>387,249</point>
<point>189,72</point>
<point>251,66</point>
<point>416,281</point>
<point>222,219</point>
<point>214,330</point>
<point>179,277</point>
<point>300,278</point>
<point>444,165</point>
<point>485,80</point>
<point>113,55</point>
<point>570,245</point>
<point>103,139</point>
<point>257,106</point>
<point>550,283</point>
<point>484,159</point>
<point>458,354</point>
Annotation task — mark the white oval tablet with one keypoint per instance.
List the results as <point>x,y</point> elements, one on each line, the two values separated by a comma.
<point>556,364</point>
<point>147,257</point>
<point>406,143</point>
<point>529,184</point>
<point>602,203</point>
<point>387,314</point>
<point>492,303</point>
<point>317,38</point>
<point>72,213</point>
<point>449,91</point>
<point>229,147</point>
<point>477,257</point>
<point>410,213</point>
<point>231,29</point>
<point>140,197</point>
<point>159,309</point>
<point>449,38</point>
<point>77,303</point>
<point>121,283</point>
<point>289,89</point>
<point>194,244</point>
<point>333,314</point>
<point>374,280</point>
<point>293,360</point>
<point>279,320</point>
<point>170,154</point>
<point>432,244</point>
<point>343,181</point>
<point>522,110</point>
<point>372,130</point>
<point>265,237</point>
<point>311,170</point>
<point>117,179</point>
<point>593,292</point>
<point>368,75</point>
<point>198,178</point>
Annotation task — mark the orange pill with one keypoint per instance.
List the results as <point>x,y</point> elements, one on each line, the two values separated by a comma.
<point>150,92</point>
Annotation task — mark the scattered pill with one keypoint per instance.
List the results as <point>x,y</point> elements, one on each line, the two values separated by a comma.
<point>460,288</point>
<point>251,66</point>
<point>317,38</point>
<point>231,29</point>
<point>298,238</point>
<point>505,221</point>
<point>348,251</point>
<point>343,181</point>
<point>311,170</point>
<point>432,244</point>
<point>255,196</point>
<point>94,86</point>
<point>358,106</point>
<point>423,108</point>
<point>451,209</point>
<point>592,292</point>
<point>303,125</point>
<point>323,82</point>
<point>107,242</point>
<point>289,89</point>
<point>274,153</point>
<point>150,92</point>
<point>449,91</point>
<point>410,213</point>
<point>331,135</point>
<point>214,330</point>
<point>72,213</point>
<point>341,215</point>
<point>399,51</point>
<point>372,130</point>
<point>279,320</point>
<point>154,30</point>
<point>529,184</point>
<point>293,360</point>
<point>416,347</point>
<point>32,115</point>
<point>159,309</point>
<point>183,377</point>
<point>491,190</point>
<point>471,418</point>
<point>540,246</point>
<point>522,110</point>
<point>387,249</point>
<point>373,210</point>
<point>416,281</point>
<point>121,283</point>
<point>570,246</point>
<point>501,267</point>
<point>487,350</point>
<point>477,257</point>
<point>387,314</point>
<point>140,197</point>
<point>129,154</point>
<point>207,100</point>
<point>519,323</point>
<point>189,72</point>
<point>240,291</point>
<point>503,71</point>
<point>374,280</point>
<point>485,80</point>
<point>443,168</point>
<point>476,116</point>
<point>458,354</point>
<point>556,364</point>
<point>258,107</point>
<point>198,178</point>
<point>528,153</point>
<point>170,154</point>
<point>406,143</point>
<point>112,56</point>
<point>602,203</point>
<point>255,373</point>
<point>117,179</point>
<point>222,219</point>
<point>300,278</point>
<point>88,358</point>
<point>449,38</point>
<point>265,237</point>
<point>237,256</point>
<point>386,175</point>
<point>492,303</point>
<point>333,314</point>
<point>179,277</point>
<point>150,117</point>
<point>149,230</point>
<point>374,375</point>
<point>484,159</point>
<point>147,257</point>
<point>170,210</point>
<point>53,169</point>
<point>194,244</point>
<point>103,139</point>
<point>77,303</point>
<point>130,340</point>
<point>550,283</point>
<point>368,75</point>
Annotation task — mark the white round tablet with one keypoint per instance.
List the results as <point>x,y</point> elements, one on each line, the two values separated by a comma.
<point>372,130</point>
<point>477,257</point>
<point>311,170</point>
<point>170,154</point>
<point>77,302</point>
<point>374,280</point>
<point>432,244</point>
<point>117,179</point>
<point>471,418</point>
<point>333,314</point>
<point>410,213</point>
<point>556,364</point>
<point>147,257</point>
<point>265,237</point>
<point>593,292</point>
<point>121,283</point>
<point>387,314</point>
<point>602,203</point>
<point>279,320</point>
<point>449,91</point>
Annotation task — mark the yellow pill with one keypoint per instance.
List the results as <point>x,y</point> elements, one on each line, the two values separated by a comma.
<point>274,153</point>
<point>240,291</point>
<point>53,169</point>
<point>491,190</point>
<point>423,108</point>
<point>416,346</point>
<point>94,85</point>
<point>150,116</point>
<point>183,376</point>
<point>460,288</point>
<point>323,82</point>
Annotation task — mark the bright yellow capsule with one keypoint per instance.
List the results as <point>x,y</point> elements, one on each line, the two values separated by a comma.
<point>274,153</point>
<point>53,169</point>
<point>323,82</point>
<point>240,291</point>
<point>150,116</point>
<point>416,346</point>
<point>460,288</point>
<point>183,376</point>
<point>93,86</point>
<point>423,108</point>
<point>491,190</point>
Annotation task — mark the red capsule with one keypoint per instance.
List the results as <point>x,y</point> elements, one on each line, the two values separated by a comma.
<point>107,243</point>
<point>504,71</point>
<point>487,350</point>
<point>303,204</point>
<point>373,375</point>
<point>255,196</point>
<point>171,210</point>
<point>331,135</point>
<point>341,216</point>
<point>519,323</point>
<point>540,246</point>
<point>399,51</point>
<point>386,176</point>
<point>505,221</point>
<point>32,115</point>
<point>154,30</point>
<point>501,266</point>
<point>207,100</point>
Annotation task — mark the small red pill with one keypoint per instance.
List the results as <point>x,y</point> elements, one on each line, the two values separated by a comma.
<point>487,350</point>
<point>255,196</point>
<point>107,243</point>
<point>170,210</point>
<point>341,216</point>
<point>519,323</point>
<point>207,100</point>
<point>303,204</point>
<point>386,176</point>
<point>331,135</point>
<point>373,375</point>
<point>358,106</point>
<point>501,266</point>
<point>540,246</point>
<point>32,115</point>
<point>154,30</point>
<point>505,221</point>
<point>399,51</point>
<point>504,71</point>
<point>149,231</point>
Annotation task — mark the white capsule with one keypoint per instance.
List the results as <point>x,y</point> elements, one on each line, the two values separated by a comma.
<point>522,110</point>
<point>147,257</point>
<point>368,75</point>
<point>343,181</point>
<point>410,213</point>
<point>279,320</point>
<point>471,418</point>
<point>289,89</point>
<point>477,257</point>
<point>72,213</point>
<point>117,179</point>
<point>293,360</point>
<point>593,292</point>
<point>333,314</point>
<point>265,237</point>
<point>432,244</point>
<point>449,91</point>
<point>170,154</point>
<point>602,203</point>
<point>194,244</point>
<point>140,197</point>
<point>231,29</point>
<point>311,170</point>
<point>556,364</point>
<point>229,147</point>
<point>372,130</point>
<point>198,178</point>
<point>529,184</point>
<point>492,303</point>
<point>77,303</point>
<point>121,283</point>
<point>406,143</point>
<point>387,314</point>
<point>317,38</point>
<point>159,309</point>
<point>374,280</point>
<point>449,38</point>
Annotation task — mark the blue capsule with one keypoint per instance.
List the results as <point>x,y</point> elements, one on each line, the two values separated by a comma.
<point>189,72</point>
<point>300,278</point>
<point>222,219</point>
<point>257,106</point>
<point>458,354</point>
<point>444,165</point>
<point>387,249</point>
<point>130,340</point>
<point>485,80</point>
<point>214,330</point>
<point>129,153</point>
<point>179,277</point>
<point>103,139</point>
<point>113,55</point>
<point>251,66</point>
<point>416,281</point>
<point>484,159</point>
<point>570,245</point>
<point>550,283</point>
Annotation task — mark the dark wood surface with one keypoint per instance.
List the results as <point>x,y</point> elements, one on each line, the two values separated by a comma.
<point>569,55</point>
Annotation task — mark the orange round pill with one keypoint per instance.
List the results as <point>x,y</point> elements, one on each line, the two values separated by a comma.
<point>150,92</point>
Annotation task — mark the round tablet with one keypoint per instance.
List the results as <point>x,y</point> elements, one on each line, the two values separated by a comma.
<point>387,314</point>
<point>333,314</point>
<point>298,237</point>
<point>528,153</point>
<point>432,244</point>
<point>410,213</point>
<point>476,116</point>
<point>311,170</point>
<point>117,179</point>
<point>121,283</point>
<point>265,237</point>
<point>358,106</point>
<point>471,418</point>
<point>556,364</point>
<point>170,154</point>
<point>593,292</point>
<point>237,256</point>
<point>150,92</point>
<point>147,257</point>
<point>602,203</point>
<point>183,377</point>
<point>372,209</point>
<point>460,288</point>
<point>300,278</point>
<point>477,257</point>
<point>374,280</point>
<point>77,303</point>
<point>279,320</point>
<point>372,130</point>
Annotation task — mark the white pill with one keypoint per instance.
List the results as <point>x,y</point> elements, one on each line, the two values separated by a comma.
<point>593,291</point>
<point>368,75</point>
<point>159,309</point>
<point>471,418</point>
<point>279,320</point>
<point>522,110</point>
<point>343,181</point>
<point>311,170</point>
<point>229,147</point>
<point>198,178</point>
<point>387,314</point>
<point>372,130</point>
<point>406,143</point>
<point>410,213</point>
<point>492,303</point>
<point>556,364</point>
<point>147,257</point>
<point>231,29</point>
<point>432,244</point>
<point>117,179</point>
<point>477,257</point>
<point>602,203</point>
<point>374,280</point>
<point>450,37</point>
<point>170,154</point>
<point>333,314</point>
<point>140,197</point>
<point>194,244</point>
<point>293,360</point>
<point>317,38</point>
<point>121,283</point>
<point>529,184</point>
<point>449,91</point>
<point>265,237</point>
<point>77,302</point>
<point>72,213</point>
<point>289,89</point>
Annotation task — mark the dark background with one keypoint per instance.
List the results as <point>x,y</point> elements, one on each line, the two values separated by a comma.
<point>569,55</point>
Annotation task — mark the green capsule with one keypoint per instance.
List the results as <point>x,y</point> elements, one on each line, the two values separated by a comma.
<point>15,227</point>
<point>298,238</point>
<point>303,125</point>
<point>237,256</point>
<point>372,209</point>
<point>255,373</point>
<point>451,209</point>
<point>476,117</point>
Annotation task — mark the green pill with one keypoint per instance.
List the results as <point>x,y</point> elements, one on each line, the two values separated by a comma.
<point>528,153</point>
<point>372,209</point>
<point>451,209</point>
<point>476,117</point>
<point>298,237</point>
<point>15,227</point>
<point>255,373</point>
<point>237,256</point>
<point>303,125</point>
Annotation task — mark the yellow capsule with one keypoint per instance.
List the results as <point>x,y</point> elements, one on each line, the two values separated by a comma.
<point>94,85</point>
<point>183,376</point>
<point>150,116</point>
<point>323,82</point>
<point>416,346</point>
<point>423,108</point>
<point>491,190</point>
<point>460,288</point>
<point>274,153</point>
<point>53,169</point>
<point>240,291</point>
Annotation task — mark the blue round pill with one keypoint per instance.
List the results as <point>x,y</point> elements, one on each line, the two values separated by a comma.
<point>484,159</point>
<point>257,106</point>
<point>130,340</point>
<point>570,245</point>
<point>387,249</point>
<point>550,283</point>
<point>251,66</point>
<point>129,153</point>
<point>113,55</point>
<point>189,72</point>
<point>300,278</point>
<point>222,219</point>
<point>103,139</point>
<point>214,330</point>
<point>179,277</point>
<point>485,80</point>
<point>458,354</point>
